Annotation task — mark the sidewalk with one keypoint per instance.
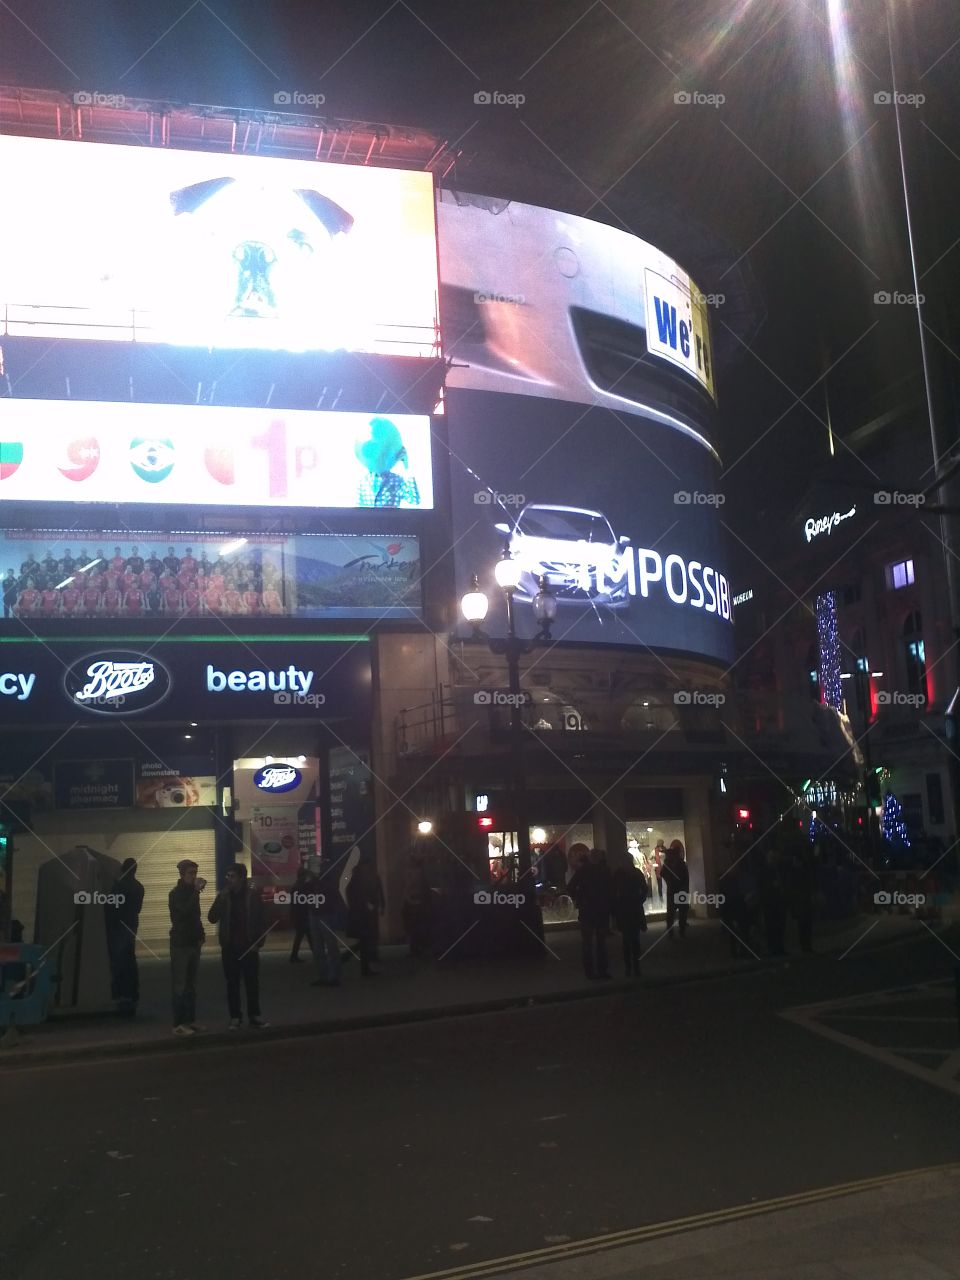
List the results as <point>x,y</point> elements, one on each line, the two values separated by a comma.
<point>405,990</point>
<point>905,1225</point>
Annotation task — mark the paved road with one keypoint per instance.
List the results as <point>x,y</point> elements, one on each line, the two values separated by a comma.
<point>400,1151</point>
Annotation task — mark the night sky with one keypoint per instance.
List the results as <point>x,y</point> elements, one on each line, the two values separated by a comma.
<point>785,197</point>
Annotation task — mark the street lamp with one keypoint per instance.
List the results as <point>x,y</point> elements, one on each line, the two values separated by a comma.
<point>862,676</point>
<point>474,606</point>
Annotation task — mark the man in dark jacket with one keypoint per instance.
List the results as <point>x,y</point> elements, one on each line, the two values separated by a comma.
<point>365,904</point>
<point>186,939</point>
<point>676,876</point>
<point>326,912</point>
<point>629,894</point>
<point>122,919</point>
<point>237,911</point>
<point>592,890</point>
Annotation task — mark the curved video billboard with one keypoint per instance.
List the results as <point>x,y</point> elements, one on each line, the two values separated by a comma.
<point>195,248</point>
<point>542,303</point>
<point>620,514</point>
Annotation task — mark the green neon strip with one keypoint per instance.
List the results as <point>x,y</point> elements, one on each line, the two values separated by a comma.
<point>152,640</point>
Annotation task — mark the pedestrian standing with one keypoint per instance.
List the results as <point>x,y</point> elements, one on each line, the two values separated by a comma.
<point>299,914</point>
<point>122,920</point>
<point>592,890</point>
<point>365,905</point>
<point>186,939</point>
<point>237,911</point>
<point>629,895</point>
<point>326,912</point>
<point>801,880</point>
<point>417,909</point>
<point>773,901</point>
<point>676,877</point>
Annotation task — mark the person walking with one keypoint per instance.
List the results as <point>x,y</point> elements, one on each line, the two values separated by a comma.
<point>186,939</point>
<point>773,901</point>
<point>417,906</point>
<point>122,919</point>
<point>326,912</point>
<point>299,914</point>
<point>676,877</point>
<point>237,911</point>
<point>629,895</point>
<point>592,890</point>
<point>801,879</point>
<point>365,905</point>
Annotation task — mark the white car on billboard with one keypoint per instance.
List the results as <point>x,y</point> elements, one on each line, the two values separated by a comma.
<point>573,548</point>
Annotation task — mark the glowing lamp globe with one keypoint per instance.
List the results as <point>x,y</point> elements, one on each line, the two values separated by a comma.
<point>507,573</point>
<point>474,604</point>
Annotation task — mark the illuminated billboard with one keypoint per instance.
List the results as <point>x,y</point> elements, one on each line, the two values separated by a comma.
<point>198,455</point>
<point>213,250</point>
<point>62,576</point>
<point>621,516</point>
<point>548,304</point>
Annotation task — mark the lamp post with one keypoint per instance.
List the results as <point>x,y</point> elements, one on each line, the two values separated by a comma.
<point>862,676</point>
<point>474,606</point>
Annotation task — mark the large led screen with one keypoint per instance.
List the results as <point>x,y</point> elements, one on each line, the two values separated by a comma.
<point>621,515</point>
<point>62,576</point>
<point>543,303</point>
<point>213,250</point>
<point>198,455</point>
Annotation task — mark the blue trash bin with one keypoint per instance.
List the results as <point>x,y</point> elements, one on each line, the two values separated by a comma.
<point>26,985</point>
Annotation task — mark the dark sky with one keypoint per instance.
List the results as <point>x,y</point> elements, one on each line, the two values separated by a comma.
<point>785,197</point>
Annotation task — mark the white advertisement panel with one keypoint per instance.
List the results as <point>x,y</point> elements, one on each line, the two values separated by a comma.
<point>199,249</point>
<point>197,455</point>
<point>557,306</point>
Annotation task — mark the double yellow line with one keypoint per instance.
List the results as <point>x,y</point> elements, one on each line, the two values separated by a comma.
<point>657,1230</point>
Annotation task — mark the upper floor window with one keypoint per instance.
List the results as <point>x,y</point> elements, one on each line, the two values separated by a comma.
<point>900,574</point>
<point>916,658</point>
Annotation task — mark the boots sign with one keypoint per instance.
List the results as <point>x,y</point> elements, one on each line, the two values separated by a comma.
<point>117,683</point>
<point>259,679</point>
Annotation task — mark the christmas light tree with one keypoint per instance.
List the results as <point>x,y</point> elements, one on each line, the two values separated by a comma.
<point>892,825</point>
<point>828,644</point>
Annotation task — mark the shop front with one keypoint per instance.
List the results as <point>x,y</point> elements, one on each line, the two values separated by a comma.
<point>196,747</point>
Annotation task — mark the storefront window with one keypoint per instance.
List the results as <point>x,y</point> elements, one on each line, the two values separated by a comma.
<point>646,843</point>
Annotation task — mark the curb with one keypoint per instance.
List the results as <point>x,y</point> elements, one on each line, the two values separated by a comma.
<point>12,1058</point>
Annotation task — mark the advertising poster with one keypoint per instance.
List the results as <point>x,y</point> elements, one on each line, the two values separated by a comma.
<point>621,516</point>
<point>351,801</point>
<point>93,784</point>
<point>230,251</point>
<point>353,576</point>
<point>182,785</point>
<point>274,841</point>
<point>211,456</point>
<point>561,307</point>
<point>52,576</point>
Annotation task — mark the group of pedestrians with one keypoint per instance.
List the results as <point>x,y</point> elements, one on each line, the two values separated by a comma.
<point>602,895</point>
<point>238,913</point>
<point>320,914</point>
<point>765,885</point>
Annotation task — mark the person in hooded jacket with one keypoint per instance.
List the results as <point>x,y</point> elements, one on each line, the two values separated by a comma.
<point>365,905</point>
<point>629,895</point>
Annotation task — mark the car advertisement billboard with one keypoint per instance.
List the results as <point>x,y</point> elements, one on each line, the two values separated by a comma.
<point>548,304</point>
<point>63,576</point>
<point>211,250</point>
<point>210,456</point>
<point>621,516</point>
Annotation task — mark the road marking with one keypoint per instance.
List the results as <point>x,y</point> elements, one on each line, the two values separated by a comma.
<point>818,1019</point>
<point>657,1230</point>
